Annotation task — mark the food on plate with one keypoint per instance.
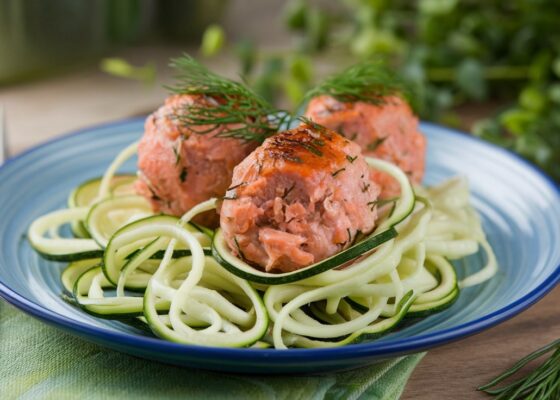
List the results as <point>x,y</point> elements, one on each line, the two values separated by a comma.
<point>192,143</point>
<point>307,254</point>
<point>302,196</point>
<point>178,165</point>
<point>376,115</point>
<point>388,130</point>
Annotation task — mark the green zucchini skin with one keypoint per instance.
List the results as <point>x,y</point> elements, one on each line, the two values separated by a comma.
<point>156,327</point>
<point>405,207</point>
<point>80,197</point>
<point>322,266</point>
<point>86,255</point>
<point>71,257</point>
<point>111,274</point>
<point>427,309</point>
<point>403,309</point>
<point>96,310</point>
<point>102,233</point>
<point>74,270</point>
<point>158,255</point>
<point>369,333</point>
<point>108,312</point>
<point>356,306</point>
<point>90,280</point>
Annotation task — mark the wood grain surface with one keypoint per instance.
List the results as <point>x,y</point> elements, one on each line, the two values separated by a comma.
<point>455,370</point>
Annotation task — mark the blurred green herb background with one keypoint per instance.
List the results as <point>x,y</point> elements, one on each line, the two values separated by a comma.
<point>498,60</point>
<point>497,52</point>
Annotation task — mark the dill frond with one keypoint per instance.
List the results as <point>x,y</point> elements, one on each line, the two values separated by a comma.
<point>236,109</point>
<point>368,81</point>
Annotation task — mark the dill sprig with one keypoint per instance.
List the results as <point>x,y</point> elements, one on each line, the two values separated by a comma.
<point>368,81</point>
<point>319,128</point>
<point>240,112</point>
<point>542,384</point>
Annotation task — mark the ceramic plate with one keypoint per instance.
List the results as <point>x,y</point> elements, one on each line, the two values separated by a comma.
<point>520,208</point>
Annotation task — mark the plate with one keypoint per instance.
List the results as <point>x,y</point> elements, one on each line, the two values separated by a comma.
<point>520,208</point>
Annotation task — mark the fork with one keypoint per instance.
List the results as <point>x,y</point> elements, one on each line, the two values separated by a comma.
<point>3,134</point>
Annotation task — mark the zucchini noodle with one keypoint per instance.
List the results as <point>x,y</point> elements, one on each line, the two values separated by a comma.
<point>121,158</point>
<point>182,283</point>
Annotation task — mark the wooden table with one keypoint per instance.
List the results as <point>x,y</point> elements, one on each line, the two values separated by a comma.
<point>455,370</point>
<point>41,110</point>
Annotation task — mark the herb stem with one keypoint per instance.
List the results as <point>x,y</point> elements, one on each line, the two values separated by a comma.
<point>234,109</point>
<point>521,363</point>
<point>543,383</point>
<point>370,82</point>
<point>335,173</point>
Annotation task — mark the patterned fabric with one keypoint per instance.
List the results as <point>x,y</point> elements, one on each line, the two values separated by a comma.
<point>40,362</point>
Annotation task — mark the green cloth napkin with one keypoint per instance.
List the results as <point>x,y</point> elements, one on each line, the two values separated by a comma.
<point>40,362</point>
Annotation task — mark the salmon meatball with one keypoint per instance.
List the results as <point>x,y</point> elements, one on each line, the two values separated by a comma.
<point>180,166</point>
<point>388,131</point>
<point>302,196</point>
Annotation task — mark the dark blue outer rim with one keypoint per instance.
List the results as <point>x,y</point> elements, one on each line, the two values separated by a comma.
<point>352,354</point>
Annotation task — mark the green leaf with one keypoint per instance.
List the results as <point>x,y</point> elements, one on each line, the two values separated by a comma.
<point>451,119</point>
<point>268,83</point>
<point>470,79</point>
<point>371,42</point>
<point>123,69</point>
<point>443,98</point>
<point>437,7</point>
<point>317,30</point>
<point>301,68</point>
<point>464,44</point>
<point>247,55</point>
<point>533,99</point>
<point>486,127</point>
<point>540,66</point>
<point>295,14</point>
<point>414,72</point>
<point>532,146</point>
<point>556,66</point>
<point>213,40</point>
<point>517,121</point>
<point>294,90</point>
<point>554,93</point>
<point>490,129</point>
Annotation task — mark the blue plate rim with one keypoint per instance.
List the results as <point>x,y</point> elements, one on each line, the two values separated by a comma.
<point>355,351</point>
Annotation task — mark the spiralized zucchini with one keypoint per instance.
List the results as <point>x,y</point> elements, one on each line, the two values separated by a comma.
<point>156,271</point>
